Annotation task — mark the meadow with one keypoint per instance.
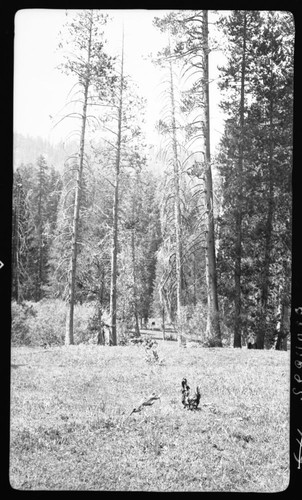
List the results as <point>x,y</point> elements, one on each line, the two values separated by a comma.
<point>71,428</point>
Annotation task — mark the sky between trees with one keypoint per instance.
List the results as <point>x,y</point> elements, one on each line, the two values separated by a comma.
<point>41,90</point>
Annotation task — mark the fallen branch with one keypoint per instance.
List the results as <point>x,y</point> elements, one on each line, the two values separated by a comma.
<point>146,402</point>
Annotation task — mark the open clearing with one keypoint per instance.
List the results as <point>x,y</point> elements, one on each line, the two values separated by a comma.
<point>71,429</point>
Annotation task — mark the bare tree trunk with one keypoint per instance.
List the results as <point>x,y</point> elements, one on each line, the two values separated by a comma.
<point>177,214</point>
<point>210,236</point>
<point>137,330</point>
<point>69,338</point>
<point>165,303</point>
<point>194,281</point>
<point>40,236</point>
<point>283,330</point>
<point>16,247</point>
<point>40,276</point>
<point>265,277</point>
<point>113,290</point>
<point>114,263</point>
<point>238,217</point>
<point>260,337</point>
<point>163,326</point>
<point>208,323</point>
<point>100,326</point>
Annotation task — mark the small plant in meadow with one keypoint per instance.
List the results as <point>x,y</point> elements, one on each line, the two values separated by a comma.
<point>151,351</point>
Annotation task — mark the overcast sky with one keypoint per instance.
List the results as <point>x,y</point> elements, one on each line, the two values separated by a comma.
<point>40,90</point>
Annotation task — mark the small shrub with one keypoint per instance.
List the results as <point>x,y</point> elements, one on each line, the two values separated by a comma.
<point>123,333</point>
<point>85,327</point>
<point>20,330</point>
<point>193,323</point>
<point>43,323</point>
<point>151,350</point>
<point>193,326</point>
<point>47,326</point>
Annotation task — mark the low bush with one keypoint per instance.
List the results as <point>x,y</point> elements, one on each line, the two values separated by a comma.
<point>20,331</point>
<point>47,326</point>
<point>83,319</point>
<point>194,325</point>
<point>43,323</point>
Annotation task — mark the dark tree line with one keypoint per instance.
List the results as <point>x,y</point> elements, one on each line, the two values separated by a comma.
<point>255,165</point>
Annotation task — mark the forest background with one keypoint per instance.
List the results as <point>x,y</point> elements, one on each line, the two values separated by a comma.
<point>117,230</point>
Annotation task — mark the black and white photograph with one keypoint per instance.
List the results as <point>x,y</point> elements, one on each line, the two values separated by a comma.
<point>151,251</point>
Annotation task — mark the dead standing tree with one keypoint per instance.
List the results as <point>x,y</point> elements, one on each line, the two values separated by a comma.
<point>91,66</point>
<point>213,308</point>
<point>177,213</point>
<point>192,48</point>
<point>114,249</point>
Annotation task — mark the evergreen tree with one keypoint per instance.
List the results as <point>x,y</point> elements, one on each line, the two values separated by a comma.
<point>255,154</point>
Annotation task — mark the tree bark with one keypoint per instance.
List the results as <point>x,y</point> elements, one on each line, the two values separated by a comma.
<point>113,281</point>
<point>136,315</point>
<point>213,308</point>
<point>40,232</point>
<point>16,245</point>
<point>165,302</point>
<point>69,337</point>
<point>177,213</point>
<point>101,331</point>
<point>163,323</point>
<point>260,337</point>
<point>238,216</point>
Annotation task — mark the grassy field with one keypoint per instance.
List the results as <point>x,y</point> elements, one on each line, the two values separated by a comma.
<point>71,429</point>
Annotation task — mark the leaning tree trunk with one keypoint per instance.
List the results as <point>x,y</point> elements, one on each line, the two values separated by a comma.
<point>213,308</point>
<point>238,215</point>
<point>114,246</point>
<point>69,339</point>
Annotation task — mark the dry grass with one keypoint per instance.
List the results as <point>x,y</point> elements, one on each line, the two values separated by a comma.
<point>69,431</point>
